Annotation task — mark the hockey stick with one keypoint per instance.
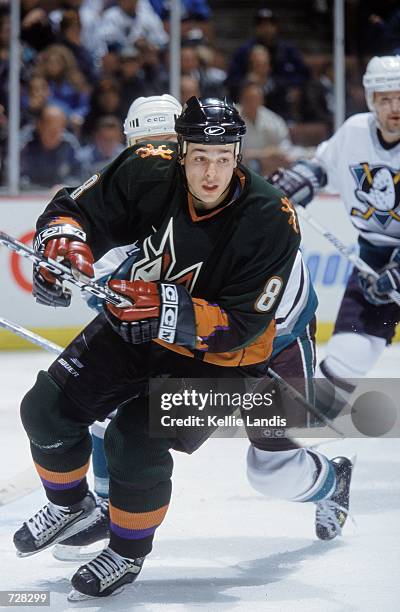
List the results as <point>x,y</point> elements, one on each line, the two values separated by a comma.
<point>55,348</point>
<point>296,395</point>
<point>26,481</point>
<point>357,262</point>
<point>28,335</point>
<point>63,273</point>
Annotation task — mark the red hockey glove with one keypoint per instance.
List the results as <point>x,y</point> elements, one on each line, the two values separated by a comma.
<point>62,240</point>
<point>159,310</point>
<point>140,322</point>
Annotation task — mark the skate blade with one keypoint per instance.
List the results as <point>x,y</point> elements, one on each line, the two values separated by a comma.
<point>75,595</point>
<point>20,554</point>
<point>74,554</point>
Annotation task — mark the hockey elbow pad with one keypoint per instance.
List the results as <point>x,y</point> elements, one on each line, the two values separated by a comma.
<point>301,182</point>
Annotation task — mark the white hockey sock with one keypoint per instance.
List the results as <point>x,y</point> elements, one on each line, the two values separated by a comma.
<point>295,475</point>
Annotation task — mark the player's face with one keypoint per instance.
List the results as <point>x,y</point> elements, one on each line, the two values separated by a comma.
<point>387,107</point>
<point>209,170</point>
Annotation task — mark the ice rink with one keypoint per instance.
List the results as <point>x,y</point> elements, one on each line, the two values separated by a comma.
<point>223,546</point>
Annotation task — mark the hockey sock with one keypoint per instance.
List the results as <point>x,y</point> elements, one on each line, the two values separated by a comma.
<point>296,475</point>
<point>99,463</point>
<point>64,488</point>
<point>135,515</point>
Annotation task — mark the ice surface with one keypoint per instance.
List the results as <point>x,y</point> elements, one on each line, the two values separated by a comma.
<point>222,546</point>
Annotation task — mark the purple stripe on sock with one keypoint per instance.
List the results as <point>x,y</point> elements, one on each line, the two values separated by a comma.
<point>132,534</point>
<point>57,486</point>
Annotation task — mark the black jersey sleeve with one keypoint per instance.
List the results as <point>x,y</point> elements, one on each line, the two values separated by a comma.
<point>107,205</point>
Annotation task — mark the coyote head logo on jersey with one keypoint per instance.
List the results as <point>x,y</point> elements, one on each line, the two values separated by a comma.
<point>159,263</point>
<point>378,191</point>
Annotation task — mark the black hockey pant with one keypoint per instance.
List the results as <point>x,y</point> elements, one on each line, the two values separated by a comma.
<point>97,373</point>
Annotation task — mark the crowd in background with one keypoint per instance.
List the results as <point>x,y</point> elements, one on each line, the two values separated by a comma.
<point>84,61</point>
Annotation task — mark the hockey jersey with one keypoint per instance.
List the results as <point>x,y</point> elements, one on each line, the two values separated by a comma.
<point>367,177</point>
<point>234,261</point>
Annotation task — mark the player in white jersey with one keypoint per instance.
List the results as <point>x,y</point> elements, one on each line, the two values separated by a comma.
<point>361,162</point>
<point>276,465</point>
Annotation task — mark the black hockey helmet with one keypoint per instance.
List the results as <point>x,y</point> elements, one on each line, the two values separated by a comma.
<point>209,121</point>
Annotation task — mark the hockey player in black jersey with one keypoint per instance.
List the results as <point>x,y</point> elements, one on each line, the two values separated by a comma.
<point>217,245</point>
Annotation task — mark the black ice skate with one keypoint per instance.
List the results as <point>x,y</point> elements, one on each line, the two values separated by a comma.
<point>54,523</point>
<point>73,548</point>
<point>105,575</point>
<point>331,513</point>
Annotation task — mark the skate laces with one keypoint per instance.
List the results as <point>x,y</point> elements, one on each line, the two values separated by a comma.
<point>108,566</point>
<point>47,519</point>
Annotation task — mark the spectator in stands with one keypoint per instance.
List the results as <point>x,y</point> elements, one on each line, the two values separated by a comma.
<point>266,143</point>
<point>208,58</point>
<point>50,154</point>
<point>385,31</point>
<point>156,73</point>
<point>5,32</point>
<point>131,20</point>
<point>131,77</point>
<point>70,37</point>
<point>259,70</point>
<point>317,99</point>
<point>211,84</point>
<point>288,70</point>
<point>195,18</point>
<point>33,100</point>
<point>36,27</point>
<point>4,58</point>
<point>107,143</point>
<point>110,62</point>
<point>90,13</point>
<point>67,84</point>
<point>189,87</point>
<point>106,99</point>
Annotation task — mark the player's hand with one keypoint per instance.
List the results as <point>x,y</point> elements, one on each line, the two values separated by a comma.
<point>140,322</point>
<point>64,241</point>
<point>300,183</point>
<point>376,290</point>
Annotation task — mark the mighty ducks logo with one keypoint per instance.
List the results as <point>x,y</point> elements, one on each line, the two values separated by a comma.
<point>378,191</point>
<point>159,263</point>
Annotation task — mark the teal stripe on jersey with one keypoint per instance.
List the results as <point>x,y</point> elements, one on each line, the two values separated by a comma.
<point>305,316</point>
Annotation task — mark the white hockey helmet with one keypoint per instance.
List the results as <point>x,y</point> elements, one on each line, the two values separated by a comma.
<point>382,74</point>
<point>154,115</point>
